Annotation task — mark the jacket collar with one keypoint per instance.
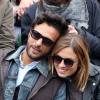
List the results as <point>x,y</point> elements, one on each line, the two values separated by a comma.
<point>94,70</point>
<point>16,54</point>
<point>42,66</point>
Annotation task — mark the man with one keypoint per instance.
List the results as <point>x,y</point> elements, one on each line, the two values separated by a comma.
<point>91,13</point>
<point>7,40</point>
<point>27,77</point>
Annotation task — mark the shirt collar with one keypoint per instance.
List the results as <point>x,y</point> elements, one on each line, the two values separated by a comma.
<point>31,65</point>
<point>42,66</point>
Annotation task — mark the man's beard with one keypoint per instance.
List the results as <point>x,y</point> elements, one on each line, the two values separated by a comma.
<point>35,58</point>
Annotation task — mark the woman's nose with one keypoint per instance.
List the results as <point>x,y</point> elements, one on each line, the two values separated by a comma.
<point>61,64</point>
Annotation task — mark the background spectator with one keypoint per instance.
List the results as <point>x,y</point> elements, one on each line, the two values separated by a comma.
<point>7,40</point>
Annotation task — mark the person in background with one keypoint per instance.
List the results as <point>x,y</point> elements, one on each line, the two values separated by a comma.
<point>19,7</point>
<point>24,4</point>
<point>92,34</point>
<point>70,61</point>
<point>7,39</point>
<point>26,75</point>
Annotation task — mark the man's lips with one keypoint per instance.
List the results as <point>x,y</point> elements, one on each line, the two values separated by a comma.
<point>36,50</point>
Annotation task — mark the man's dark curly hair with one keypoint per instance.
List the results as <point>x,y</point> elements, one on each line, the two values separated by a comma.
<point>55,20</point>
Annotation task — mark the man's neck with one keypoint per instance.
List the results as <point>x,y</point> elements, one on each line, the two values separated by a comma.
<point>24,57</point>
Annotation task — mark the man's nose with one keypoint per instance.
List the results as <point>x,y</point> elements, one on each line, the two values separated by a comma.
<point>39,42</point>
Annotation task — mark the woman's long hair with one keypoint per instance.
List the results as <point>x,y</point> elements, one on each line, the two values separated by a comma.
<point>80,48</point>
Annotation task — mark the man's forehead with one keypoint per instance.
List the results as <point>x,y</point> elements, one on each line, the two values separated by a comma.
<point>47,31</point>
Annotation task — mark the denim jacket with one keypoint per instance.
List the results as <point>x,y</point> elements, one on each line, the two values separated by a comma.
<point>9,80</point>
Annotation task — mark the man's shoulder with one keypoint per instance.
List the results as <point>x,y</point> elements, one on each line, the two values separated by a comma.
<point>15,53</point>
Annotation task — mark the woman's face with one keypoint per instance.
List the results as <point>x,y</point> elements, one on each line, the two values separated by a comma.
<point>68,65</point>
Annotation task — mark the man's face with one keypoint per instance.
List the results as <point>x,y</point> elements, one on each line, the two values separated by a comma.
<point>40,41</point>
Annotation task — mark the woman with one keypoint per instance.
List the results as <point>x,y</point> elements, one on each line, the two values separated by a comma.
<point>70,60</point>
